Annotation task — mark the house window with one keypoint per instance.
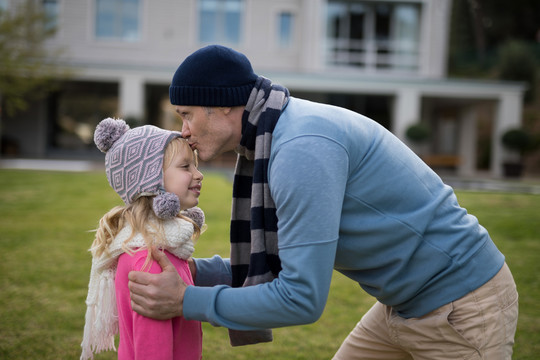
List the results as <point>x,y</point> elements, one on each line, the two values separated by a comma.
<point>372,35</point>
<point>220,21</point>
<point>285,29</point>
<point>51,10</point>
<point>118,19</point>
<point>75,110</point>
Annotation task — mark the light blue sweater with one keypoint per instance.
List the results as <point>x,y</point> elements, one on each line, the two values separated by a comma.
<point>350,196</point>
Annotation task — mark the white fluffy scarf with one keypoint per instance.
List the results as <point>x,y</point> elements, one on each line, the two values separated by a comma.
<point>101,313</point>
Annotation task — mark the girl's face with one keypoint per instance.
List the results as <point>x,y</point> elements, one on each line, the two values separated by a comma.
<point>183,178</point>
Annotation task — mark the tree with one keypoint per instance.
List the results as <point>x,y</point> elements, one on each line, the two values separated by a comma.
<point>480,27</point>
<point>27,66</point>
<point>517,62</point>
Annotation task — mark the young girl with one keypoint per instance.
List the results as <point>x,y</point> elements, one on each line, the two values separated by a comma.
<point>155,172</point>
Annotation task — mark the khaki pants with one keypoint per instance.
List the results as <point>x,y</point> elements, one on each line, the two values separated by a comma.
<point>480,325</point>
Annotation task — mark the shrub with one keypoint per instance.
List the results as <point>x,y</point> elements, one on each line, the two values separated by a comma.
<point>517,139</point>
<point>418,133</point>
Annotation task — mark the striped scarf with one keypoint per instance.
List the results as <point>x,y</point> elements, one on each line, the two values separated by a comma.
<point>254,248</point>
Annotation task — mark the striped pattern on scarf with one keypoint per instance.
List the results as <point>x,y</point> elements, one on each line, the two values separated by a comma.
<point>254,248</point>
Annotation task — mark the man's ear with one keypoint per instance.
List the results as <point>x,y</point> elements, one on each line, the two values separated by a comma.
<point>226,110</point>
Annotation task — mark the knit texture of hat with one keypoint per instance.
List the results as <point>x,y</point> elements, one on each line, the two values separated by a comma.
<point>134,162</point>
<point>213,76</point>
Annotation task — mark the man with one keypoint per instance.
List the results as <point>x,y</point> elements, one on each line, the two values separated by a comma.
<point>319,188</point>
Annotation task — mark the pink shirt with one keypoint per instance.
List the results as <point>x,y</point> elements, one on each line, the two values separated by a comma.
<point>145,338</point>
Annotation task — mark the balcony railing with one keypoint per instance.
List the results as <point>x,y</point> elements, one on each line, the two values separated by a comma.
<point>381,55</point>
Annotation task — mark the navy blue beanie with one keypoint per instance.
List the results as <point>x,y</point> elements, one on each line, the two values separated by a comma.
<point>213,76</point>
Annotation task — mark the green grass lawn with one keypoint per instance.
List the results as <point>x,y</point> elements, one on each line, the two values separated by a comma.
<point>46,220</point>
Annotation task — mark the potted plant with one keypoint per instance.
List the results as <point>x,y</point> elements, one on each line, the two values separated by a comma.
<point>519,141</point>
<point>418,134</point>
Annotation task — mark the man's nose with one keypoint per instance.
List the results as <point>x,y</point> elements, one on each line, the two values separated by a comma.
<point>185,131</point>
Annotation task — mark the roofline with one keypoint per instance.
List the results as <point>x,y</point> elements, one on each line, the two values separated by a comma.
<point>337,82</point>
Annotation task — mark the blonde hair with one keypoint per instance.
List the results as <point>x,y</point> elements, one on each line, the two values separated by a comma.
<point>175,147</point>
<point>140,215</point>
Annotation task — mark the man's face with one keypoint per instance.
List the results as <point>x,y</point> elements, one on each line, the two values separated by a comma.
<point>211,131</point>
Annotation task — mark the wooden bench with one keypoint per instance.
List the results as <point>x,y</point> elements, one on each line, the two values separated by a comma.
<point>441,160</point>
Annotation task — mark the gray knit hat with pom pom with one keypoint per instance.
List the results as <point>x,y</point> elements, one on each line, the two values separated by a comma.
<point>134,162</point>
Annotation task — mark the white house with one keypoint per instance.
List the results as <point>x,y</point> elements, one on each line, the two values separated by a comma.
<point>385,59</point>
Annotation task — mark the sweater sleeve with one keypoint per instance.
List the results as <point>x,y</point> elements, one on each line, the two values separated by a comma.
<point>308,200</point>
<point>213,271</point>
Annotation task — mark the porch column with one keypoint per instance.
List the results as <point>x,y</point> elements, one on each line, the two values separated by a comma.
<point>313,54</point>
<point>132,97</point>
<point>508,115</point>
<point>467,142</point>
<point>406,111</point>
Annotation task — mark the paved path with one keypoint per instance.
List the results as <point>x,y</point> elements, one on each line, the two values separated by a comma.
<point>53,165</point>
<point>530,186</point>
<point>494,185</point>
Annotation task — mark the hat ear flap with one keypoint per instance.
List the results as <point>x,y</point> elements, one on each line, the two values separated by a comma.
<point>166,205</point>
<point>196,214</point>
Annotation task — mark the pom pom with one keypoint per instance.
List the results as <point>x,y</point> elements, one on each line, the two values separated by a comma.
<point>166,205</point>
<point>196,214</point>
<point>108,132</point>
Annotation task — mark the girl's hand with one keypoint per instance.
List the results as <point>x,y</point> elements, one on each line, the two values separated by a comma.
<point>157,296</point>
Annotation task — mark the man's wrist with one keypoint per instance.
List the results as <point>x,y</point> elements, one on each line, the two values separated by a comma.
<point>192,268</point>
